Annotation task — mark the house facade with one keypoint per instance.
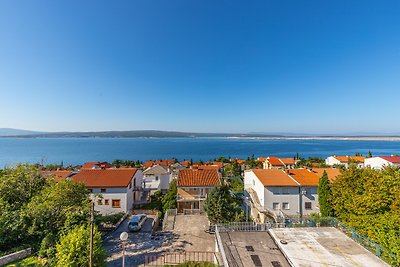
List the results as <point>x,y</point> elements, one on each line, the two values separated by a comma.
<point>112,190</point>
<point>156,178</point>
<point>382,161</point>
<point>278,193</point>
<point>345,160</point>
<point>193,186</point>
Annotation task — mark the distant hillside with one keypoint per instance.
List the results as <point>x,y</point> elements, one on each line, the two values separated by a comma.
<point>141,133</point>
<point>12,132</point>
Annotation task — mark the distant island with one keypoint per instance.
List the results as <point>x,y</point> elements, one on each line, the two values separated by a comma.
<point>8,132</point>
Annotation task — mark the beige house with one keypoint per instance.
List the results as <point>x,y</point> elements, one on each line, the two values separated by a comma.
<point>193,185</point>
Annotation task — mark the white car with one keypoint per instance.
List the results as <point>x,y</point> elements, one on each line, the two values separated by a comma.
<point>136,222</point>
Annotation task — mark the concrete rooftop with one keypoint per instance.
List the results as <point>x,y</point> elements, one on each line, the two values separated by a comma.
<point>242,248</point>
<point>323,246</point>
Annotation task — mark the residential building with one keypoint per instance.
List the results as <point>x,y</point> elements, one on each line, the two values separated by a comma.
<point>279,193</point>
<point>345,160</point>
<point>278,163</point>
<point>156,178</point>
<point>112,190</point>
<point>193,185</point>
<point>382,161</point>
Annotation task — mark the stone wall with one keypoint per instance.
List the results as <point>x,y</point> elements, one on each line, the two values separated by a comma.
<point>15,256</point>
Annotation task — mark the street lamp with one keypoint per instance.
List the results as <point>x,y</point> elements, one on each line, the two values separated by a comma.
<point>124,236</point>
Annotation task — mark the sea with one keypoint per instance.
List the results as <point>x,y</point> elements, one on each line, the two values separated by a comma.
<point>79,150</point>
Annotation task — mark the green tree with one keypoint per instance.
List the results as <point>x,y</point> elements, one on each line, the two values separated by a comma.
<point>18,185</point>
<point>58,207</point>
<point>117,163</point>
<point>222,207</point>
<point>73,248</point>
<point>324,196</point>
<point>169,199</point>
<point>369,155</point>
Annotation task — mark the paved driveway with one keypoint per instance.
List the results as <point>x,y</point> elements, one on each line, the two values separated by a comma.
<point>137,245</point>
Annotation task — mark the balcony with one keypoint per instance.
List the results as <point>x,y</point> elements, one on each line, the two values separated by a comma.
<point>186,196</point>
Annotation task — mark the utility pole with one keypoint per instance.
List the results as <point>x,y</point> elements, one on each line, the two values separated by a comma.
<point>91,234</point>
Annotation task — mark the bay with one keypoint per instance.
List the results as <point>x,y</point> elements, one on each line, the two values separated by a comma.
<point>79,150</point>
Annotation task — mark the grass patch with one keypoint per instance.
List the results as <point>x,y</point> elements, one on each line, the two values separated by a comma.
<point>27,262</point>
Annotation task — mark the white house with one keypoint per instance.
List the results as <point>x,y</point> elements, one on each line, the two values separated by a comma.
<point>382,161</point>
<point>345,160</point>
<point>279,193</point>
<point>112,190</point>
<point>157,178</point>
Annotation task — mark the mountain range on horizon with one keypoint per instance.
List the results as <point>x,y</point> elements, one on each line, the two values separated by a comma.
<point>11,132</point>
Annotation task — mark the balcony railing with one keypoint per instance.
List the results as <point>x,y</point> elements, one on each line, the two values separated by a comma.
<point>190,197</point>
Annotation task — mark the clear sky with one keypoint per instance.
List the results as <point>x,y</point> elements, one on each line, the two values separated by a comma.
<point>206,66</point>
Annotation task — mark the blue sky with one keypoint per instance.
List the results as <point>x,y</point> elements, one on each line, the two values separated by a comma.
<point>206,66</point>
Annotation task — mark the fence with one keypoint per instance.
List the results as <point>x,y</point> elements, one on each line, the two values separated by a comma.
<point>175,258</point>
<point>242,226</point>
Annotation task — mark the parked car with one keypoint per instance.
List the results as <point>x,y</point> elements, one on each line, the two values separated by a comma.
<point>136,222</point>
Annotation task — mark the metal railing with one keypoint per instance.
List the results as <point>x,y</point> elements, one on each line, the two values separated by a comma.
<point>191,197</point>
<point>192,212</point>
<point>175,258</point>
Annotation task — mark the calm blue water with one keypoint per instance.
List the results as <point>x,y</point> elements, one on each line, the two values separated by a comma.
<point>80,150</point>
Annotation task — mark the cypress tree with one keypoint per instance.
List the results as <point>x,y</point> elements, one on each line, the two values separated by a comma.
<point>324,196</point>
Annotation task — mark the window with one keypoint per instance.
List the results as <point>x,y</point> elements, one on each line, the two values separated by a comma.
<point>307,205</point>
<point>285,206</point>
<point>106,202</point>
<point>254,182</point>
<point>156,178</point>
<point>275,206</point>
<point>116,203</point>
<point>100,202</point>
<point>103,190</point>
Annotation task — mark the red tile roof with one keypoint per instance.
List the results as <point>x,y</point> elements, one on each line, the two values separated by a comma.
<point>274,161</point>
<point>304,177</point>
<point>288,161</point>
<point>208,167</point>
<point>185,163</point>
<point>206,178</point>
<point>58,175</point>
<point>273,177</point>
<point>148,164</point>
<point>392,159</point>
<point>105,177</point>
<point>91,164</point>
<point>331,172</point>
<point>345,159</point>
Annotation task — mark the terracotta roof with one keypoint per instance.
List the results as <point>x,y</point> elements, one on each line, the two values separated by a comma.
<point>273,177</point>
<point>165,162</point>
<point>58,175</point>
<point>262,159</point>
<point>288,161</point>
<point>189,177</point>
<point>209,167</point>
<point>392,159</point>
<point>156,170</point>
<point>148,164</point>
<point>241,161</point>
<point>105,177</point>
<point>91,164</point>
<point>304,177</point>
<point>274,161</point>
<point>331,172</point>
<point>185,163</point>
<point>347,158</point>
<point>220,164</point>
